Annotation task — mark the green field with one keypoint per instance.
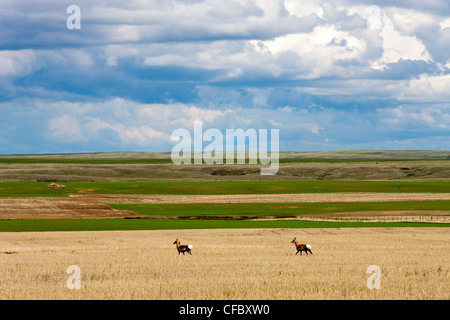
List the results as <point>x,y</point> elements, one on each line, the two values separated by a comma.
<point>172,224</point>
<point>246,210</point>
<point>41,189</point>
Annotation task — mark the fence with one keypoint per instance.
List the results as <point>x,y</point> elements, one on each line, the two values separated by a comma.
<point>437,219</point>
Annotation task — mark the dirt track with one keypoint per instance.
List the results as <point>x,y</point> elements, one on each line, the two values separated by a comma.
<point>95,206</point>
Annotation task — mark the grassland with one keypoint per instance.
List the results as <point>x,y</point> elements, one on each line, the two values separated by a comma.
<point>41,189</point>
<point>131,156</point>
<point>135,166</point>
<point>122,161</point>
<point>201,211</point>
<point>228,264</point>
<point>309,170</point>
<point>235,256</point>
<point>255,210</point>
<point>59,213</point>
<point>33,225</point>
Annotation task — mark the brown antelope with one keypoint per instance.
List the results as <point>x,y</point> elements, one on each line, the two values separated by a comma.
<point>183,248</point>
<point>301,247</point>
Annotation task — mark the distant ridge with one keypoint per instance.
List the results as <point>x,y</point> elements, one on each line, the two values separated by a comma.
<point>369,154</point>
<point>95,155</point>
<point>349,154</point>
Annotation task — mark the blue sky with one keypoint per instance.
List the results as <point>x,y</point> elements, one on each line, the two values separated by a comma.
<point>330,75</point>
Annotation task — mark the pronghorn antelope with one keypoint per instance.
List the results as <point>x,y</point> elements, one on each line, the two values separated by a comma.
<point>301,247</point>
<point>183,248</point>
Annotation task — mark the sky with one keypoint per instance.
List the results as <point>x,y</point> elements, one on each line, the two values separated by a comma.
<point>329,75</point>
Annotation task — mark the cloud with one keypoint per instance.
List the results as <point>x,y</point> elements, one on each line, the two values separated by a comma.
<point>315,54</point>
<point>301,8</point>
<point>428,88</point>
<point>66,128</point>
<point>427,119</point>
<point>119,124</point>
<point>124,123</point>
<point>397,46</point>
<point>17,63</point>
<point>150,21</point>
<point>324,72</point>
<point>142,136</point>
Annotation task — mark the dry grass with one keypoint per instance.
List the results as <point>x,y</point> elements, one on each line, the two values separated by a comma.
<point>351,170</point>
<point>227,264</point>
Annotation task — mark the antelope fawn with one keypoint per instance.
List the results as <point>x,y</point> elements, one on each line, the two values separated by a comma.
<point>301,247</point>
<point>183,248</point>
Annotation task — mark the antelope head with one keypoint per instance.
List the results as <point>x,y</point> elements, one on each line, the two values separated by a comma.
<point>294,241</point>
<point>175,242</point>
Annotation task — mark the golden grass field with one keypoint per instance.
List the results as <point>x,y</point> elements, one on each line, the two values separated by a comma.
<point>227,264</point>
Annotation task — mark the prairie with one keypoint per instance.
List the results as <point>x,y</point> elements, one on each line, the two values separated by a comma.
<point>198,187</point>
<point>256,210</point>
<point>156,166</point>
<point>160,169</point>
<point>227,264</point>
<point>117,215</point>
